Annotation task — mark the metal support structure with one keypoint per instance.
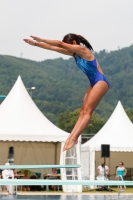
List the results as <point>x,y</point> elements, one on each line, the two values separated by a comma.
<point>17,182</point>
<point>62,182</point>
<point>31,90</point>
<point>119,191</point>
<point>37,166</point>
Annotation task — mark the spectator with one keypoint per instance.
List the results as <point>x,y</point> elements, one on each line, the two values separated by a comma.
<point>8,174</point>
<point>26,187</point>
<point>121,172</point>
<point>35,187</point>
<point>53,175</point>
<point>102,170</point>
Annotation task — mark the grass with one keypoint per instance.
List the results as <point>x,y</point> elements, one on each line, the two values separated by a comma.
<point>115,190</point>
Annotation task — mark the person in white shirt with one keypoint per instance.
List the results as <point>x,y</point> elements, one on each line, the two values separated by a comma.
<point>102,170</point>
<point>8,174</point>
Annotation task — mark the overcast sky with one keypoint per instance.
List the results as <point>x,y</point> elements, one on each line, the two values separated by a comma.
<point>107,24</point>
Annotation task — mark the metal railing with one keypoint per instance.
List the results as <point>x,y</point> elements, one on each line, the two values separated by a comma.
<point>86,137</point>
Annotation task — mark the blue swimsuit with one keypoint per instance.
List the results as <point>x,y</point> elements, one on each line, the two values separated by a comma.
<point>91,70</point>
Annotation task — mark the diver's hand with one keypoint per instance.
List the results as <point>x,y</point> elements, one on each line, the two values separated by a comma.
<point>31,42</point>
<point>36,38</point>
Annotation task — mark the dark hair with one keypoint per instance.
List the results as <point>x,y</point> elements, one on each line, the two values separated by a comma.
<point>78,38</point>
<point>122,163</point>
<point>103,164</point>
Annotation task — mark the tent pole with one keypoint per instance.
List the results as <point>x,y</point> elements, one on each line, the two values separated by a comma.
<point>55,153</point>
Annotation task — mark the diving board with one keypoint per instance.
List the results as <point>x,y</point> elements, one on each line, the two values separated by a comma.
<point>62,182</point>
<point>37,166</point>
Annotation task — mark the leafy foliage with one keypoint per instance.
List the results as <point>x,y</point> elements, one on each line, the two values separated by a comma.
<point>67,120</point>
<point>61,85</point>
<point>130,114</point>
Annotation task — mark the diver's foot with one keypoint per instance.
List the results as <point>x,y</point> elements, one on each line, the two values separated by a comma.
<point>70,143</point>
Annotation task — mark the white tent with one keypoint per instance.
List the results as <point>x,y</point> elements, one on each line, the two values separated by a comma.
<point>34,138</point>
<point>118,133</point>
<point>21,120</point>
<point>25,120</point>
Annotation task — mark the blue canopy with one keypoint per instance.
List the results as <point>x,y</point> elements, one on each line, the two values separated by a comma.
<point>2,97</point>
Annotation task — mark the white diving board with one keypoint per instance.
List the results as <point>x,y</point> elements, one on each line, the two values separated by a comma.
<point>62,182</point>
<point>37,166</point>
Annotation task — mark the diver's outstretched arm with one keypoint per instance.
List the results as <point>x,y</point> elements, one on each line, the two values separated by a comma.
<point>48,47</point>
<point>61,47</point>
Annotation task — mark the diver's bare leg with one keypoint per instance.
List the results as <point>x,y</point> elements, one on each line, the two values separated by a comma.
<point>92,99</point>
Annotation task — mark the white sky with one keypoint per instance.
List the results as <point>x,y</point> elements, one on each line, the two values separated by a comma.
<point>106,24</point>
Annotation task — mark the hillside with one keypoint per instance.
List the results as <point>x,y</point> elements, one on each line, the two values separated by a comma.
<point>61,85</point>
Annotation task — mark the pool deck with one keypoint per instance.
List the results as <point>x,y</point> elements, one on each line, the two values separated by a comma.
<point>75,193</point>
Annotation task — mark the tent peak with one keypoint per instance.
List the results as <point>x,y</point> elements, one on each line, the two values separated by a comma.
<point>25,121</point>
<point>19,77</point>
<point>117,131</point>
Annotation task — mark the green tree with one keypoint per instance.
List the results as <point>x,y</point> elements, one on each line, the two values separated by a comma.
<point>67,120</point>
<point>130,114</point>
<point>61,85</point>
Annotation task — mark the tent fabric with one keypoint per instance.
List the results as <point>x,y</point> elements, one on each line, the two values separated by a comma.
<point>118,132</point>
<point>21,120</point>
<point>34,138</point>
<point>4,150</point>
<point>32,153</point>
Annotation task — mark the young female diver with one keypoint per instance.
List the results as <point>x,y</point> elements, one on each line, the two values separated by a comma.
<point>85,60</point>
